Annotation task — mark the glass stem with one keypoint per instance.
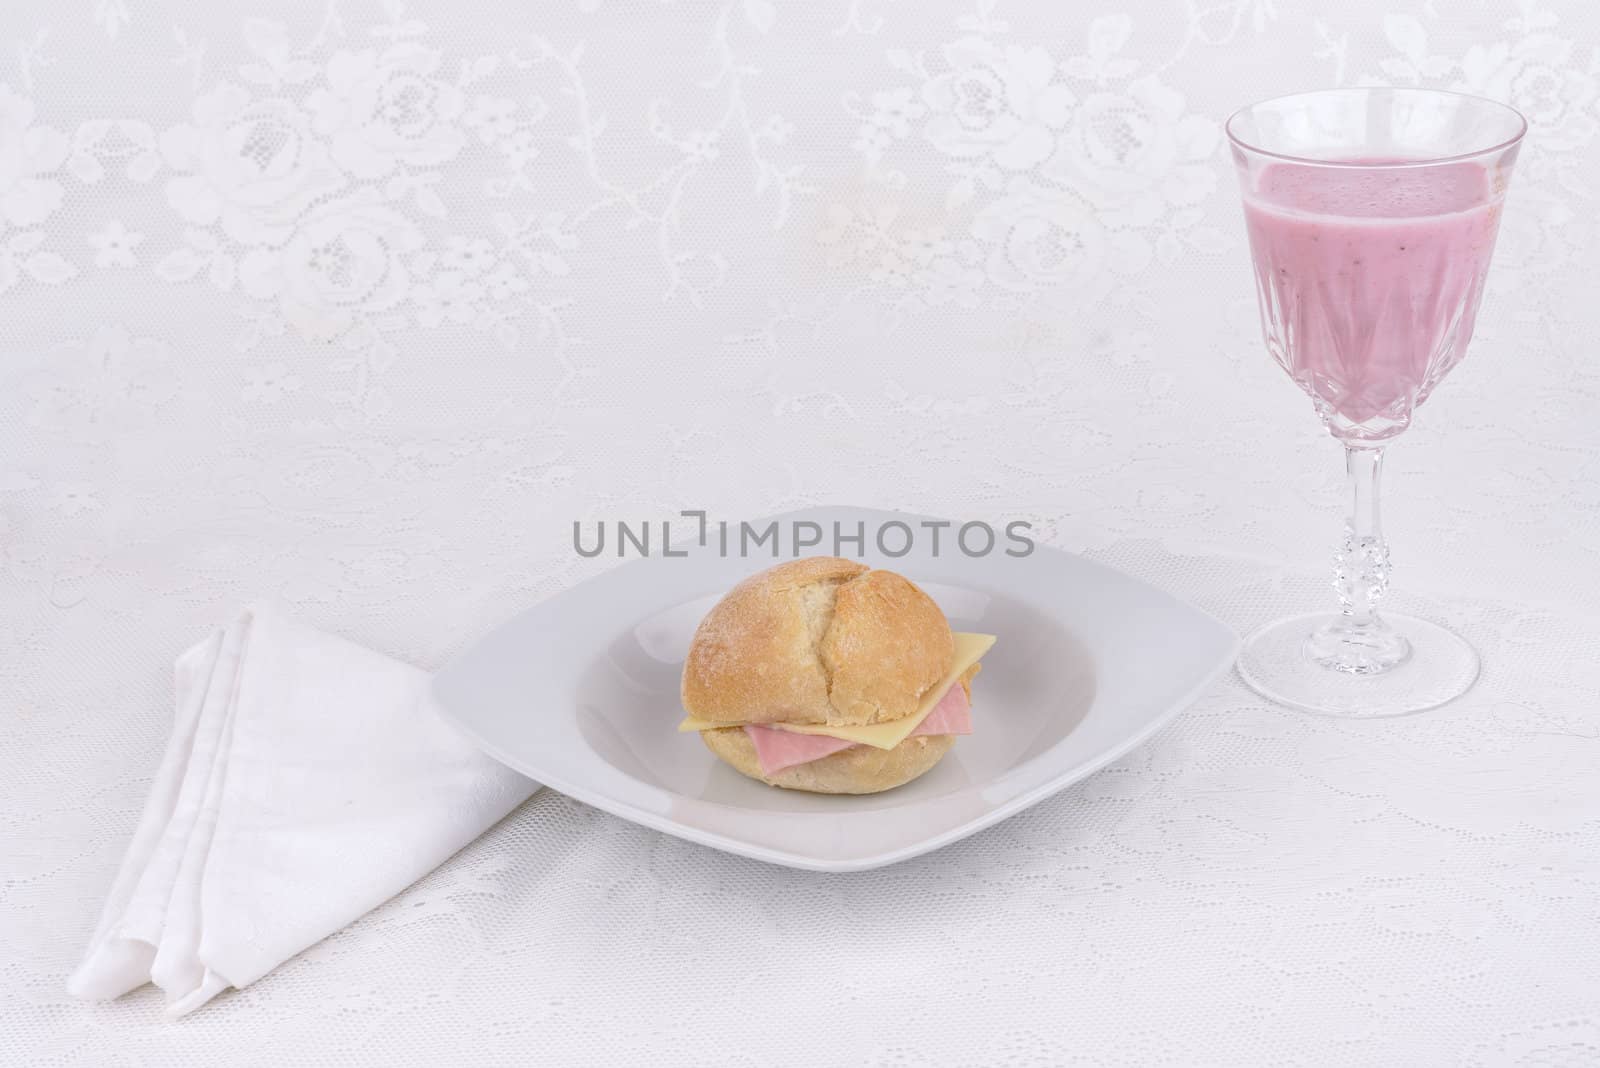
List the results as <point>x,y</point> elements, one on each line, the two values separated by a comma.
<point>1357,641</point>
<point>1361,568</point>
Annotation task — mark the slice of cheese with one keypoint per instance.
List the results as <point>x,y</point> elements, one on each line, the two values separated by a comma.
<point>969,650</point>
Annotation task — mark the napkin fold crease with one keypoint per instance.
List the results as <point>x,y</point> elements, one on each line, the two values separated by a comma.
<point>307,780</point>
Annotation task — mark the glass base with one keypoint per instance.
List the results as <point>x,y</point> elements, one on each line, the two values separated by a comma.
<point>1288,661</point>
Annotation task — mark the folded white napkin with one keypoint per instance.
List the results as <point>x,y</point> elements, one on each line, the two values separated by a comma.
<point>307,781</point>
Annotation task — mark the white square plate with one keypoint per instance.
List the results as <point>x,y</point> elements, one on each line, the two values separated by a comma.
<point>581,693</point>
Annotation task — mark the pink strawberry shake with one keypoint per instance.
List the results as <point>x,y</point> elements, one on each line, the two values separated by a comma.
<point>1370,280</point>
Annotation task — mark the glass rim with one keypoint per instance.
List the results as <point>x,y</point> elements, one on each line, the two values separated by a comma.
<point>1431,161</point>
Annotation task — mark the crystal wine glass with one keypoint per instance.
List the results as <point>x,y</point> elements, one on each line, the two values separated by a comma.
<point>1372,215</point>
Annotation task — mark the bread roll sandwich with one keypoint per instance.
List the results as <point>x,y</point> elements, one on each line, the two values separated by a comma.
<point>825,675</point>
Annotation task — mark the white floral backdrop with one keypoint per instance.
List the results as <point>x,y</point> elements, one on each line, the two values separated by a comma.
<point>358,304</point>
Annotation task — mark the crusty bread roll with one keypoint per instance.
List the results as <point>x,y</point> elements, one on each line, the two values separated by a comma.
<point>820,640</point>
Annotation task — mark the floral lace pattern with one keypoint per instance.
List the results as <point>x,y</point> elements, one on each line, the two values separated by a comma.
<point>357,304</point>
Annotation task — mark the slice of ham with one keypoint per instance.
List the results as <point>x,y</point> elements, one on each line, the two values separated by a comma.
<point>952,715</point>
<point>779,749</point>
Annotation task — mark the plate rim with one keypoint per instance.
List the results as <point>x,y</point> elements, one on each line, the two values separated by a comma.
<point>664,823</point>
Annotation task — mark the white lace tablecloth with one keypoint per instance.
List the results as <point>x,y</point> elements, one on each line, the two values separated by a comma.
<point>358,304</point>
